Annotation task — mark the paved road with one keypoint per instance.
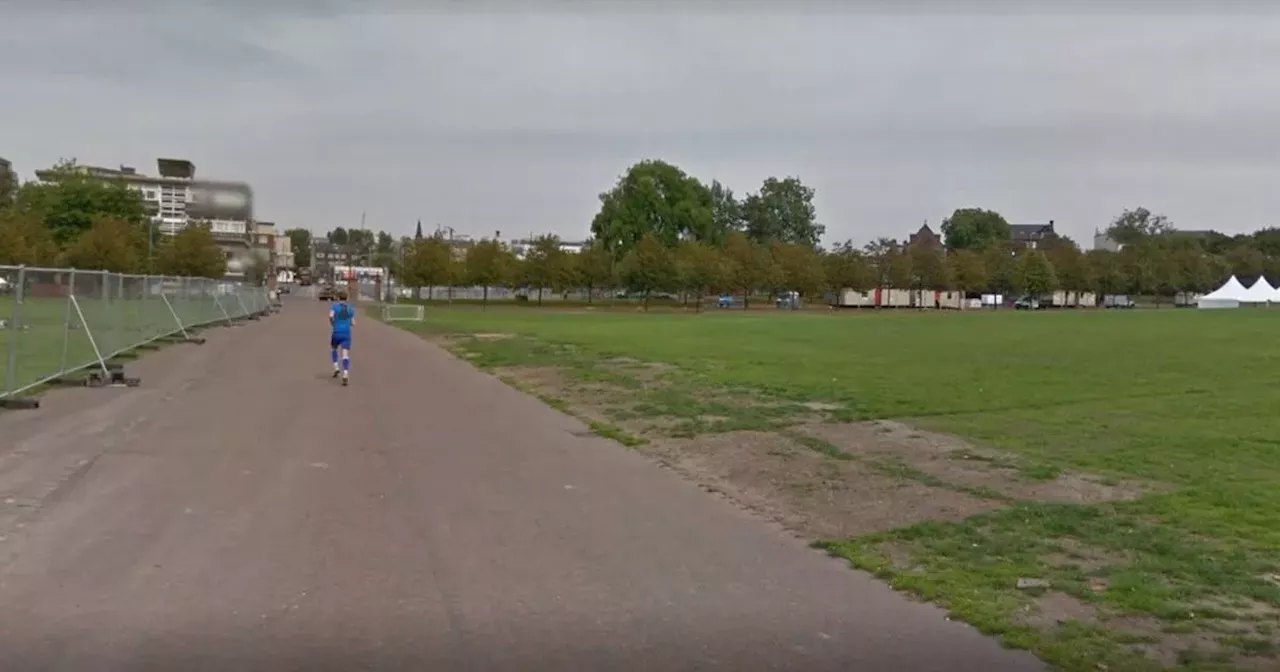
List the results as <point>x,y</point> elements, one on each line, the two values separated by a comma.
<point>241,511</point>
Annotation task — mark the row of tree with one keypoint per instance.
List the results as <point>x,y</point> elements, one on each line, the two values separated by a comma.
<point>1156,266</point>
<point>661,230</point>
<point>72,219</point>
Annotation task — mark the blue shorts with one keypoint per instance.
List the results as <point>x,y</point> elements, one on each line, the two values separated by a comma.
<point>340,341</point>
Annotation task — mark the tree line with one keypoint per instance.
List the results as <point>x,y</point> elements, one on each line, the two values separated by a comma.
<point>661,230</point>
<point>74,220</point>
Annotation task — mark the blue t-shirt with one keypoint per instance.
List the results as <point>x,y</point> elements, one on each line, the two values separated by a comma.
<point>342,315</point>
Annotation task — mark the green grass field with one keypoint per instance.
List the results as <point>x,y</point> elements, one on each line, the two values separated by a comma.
<point>44,346</point>
<point>1184,577</point>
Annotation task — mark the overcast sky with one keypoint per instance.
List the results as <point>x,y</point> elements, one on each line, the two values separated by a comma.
<point>497,120</point>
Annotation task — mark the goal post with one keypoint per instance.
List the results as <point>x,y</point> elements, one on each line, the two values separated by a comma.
<point>403,312</point>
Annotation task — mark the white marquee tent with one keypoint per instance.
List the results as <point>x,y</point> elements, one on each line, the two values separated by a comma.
<point>1260,292</point>
<point>1229,295</point>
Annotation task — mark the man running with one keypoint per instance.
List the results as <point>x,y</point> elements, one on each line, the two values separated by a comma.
<point>341,318</point>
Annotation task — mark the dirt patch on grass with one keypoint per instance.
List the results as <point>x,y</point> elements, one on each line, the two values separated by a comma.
<point>808,492</point>
<point>1078,555</point>
<point>492,337</point>
<point>1206,641</point>
<point>1220,641</point>
<point>955,461</point>
<point>1053,609</point>
<point>593,401</point>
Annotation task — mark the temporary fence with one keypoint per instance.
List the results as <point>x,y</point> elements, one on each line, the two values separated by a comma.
<point>58,322</point>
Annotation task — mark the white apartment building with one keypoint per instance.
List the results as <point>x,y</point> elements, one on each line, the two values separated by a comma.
<point>284,252</point>
<point>166,196</point>
<point>520,247</point>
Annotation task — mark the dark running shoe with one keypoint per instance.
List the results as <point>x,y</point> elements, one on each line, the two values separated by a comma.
<point>345,381</point>
<point>335,374</point>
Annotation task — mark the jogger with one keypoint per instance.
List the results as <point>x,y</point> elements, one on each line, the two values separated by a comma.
<point>341,318</point>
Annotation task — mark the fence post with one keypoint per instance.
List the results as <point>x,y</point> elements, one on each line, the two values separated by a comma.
<point>66,323</point>
<point>101,339</point>
<point>118,316</point>
<point>11,370</point>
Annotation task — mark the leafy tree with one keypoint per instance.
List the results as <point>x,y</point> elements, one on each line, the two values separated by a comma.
<point>699,268</point>
<point>929,268</point>
<point>110,244</point>
<point>488,264</point>
<point>648,267</point>
<point>846,267</point>
<point>384,250</point>
<point>258,269</point>
<point>1166,270</point>
<point>436,263</point>
<point>1246,262</point>
<point>517,273</point>
<point>726,214</point>
<point>749,266</point>
<point>338,236</point>
<point>69,201</point>
<point>192,252</point>
<point>363,244</point>
<point>1068,263</point>
<point>1105,270</point>
<point>782,211</point>
<point>1138,263</point>
<point>24,239</point>
<point>800,268</point>
<point>1218,243</point>
<point>595,268</point>
<point>653,197</point>
<point>879,254</point>
<point>968,271</point>
<point>1033,274</point>
<point>300,240</point>
<point>1196,270</point>
<point>546,266</point>
<point>1267,241</point>
<point>1000,261</point>
<point>974,229</point>
<point>1134,225</point>
<point>898,269</point>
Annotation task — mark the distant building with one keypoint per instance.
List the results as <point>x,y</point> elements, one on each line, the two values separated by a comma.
<point>1030,235</point>
<point>165,197</point>
<point>325,256</point>
<point>8,178</point>
<point>925,237</point>
<point>521,246</point>
<point>1101,241</point>
<point>284,252</point>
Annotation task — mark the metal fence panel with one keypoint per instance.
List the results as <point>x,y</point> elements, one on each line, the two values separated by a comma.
<point>58,321</point>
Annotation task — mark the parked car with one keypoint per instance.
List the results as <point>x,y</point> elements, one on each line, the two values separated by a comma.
<point>325,293</point>
<point>1117,301</point>
<point>1027,303</point>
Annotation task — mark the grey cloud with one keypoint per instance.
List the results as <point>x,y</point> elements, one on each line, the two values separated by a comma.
<point>508,120</point>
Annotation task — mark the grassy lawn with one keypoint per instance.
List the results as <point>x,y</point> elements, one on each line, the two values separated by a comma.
<point>43,344</point>
<point>1178,404</point>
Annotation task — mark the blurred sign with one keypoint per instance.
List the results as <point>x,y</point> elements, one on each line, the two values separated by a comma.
<point>220,200</point>
<point>345,272</point>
